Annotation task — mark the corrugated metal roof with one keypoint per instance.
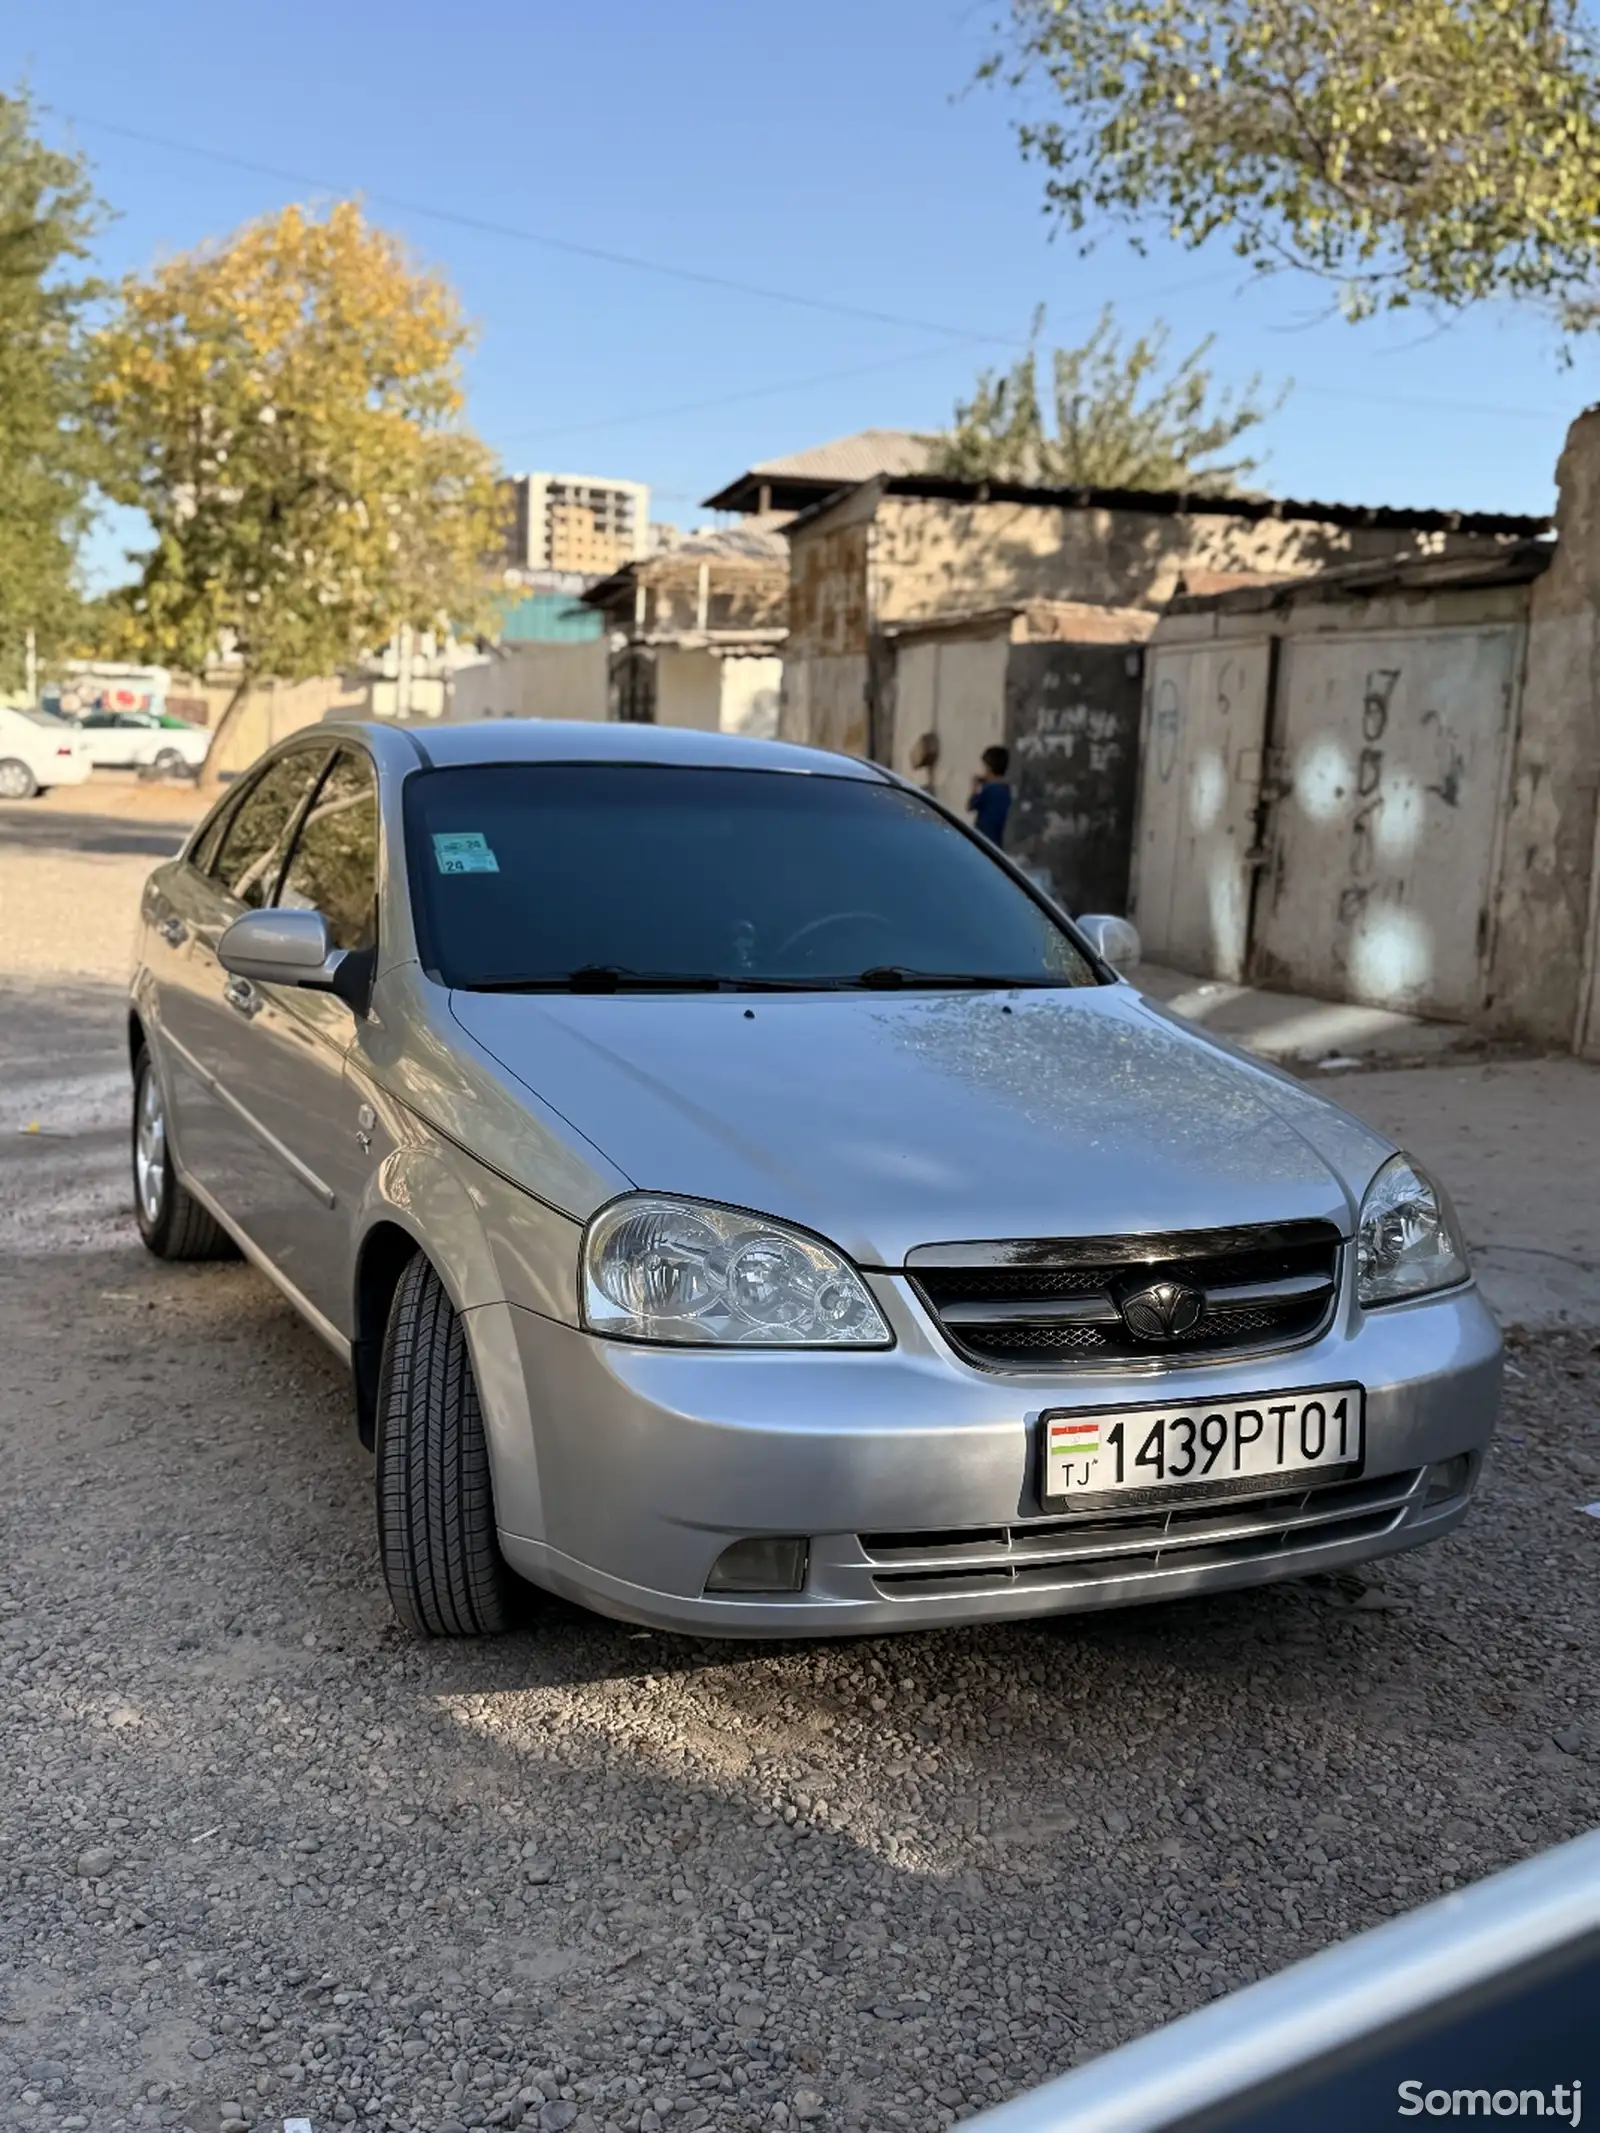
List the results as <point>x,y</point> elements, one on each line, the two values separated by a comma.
<point>1170,503</point>
<point>1516,564</point>
<point>1056,621</point>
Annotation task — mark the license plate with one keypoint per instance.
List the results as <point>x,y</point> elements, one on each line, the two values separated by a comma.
<point>1132,1455</point>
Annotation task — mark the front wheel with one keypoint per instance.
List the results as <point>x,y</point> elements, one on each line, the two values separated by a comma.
<point>17,781</point>
<point>171,1221</point>
<point>168,763</point>
<point>436,1529</point>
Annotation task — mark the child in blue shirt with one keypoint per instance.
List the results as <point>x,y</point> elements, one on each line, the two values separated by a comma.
<point>990,800</point>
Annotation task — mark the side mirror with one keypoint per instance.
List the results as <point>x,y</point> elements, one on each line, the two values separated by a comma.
<point>293,948</point>
<point>1114,940</point>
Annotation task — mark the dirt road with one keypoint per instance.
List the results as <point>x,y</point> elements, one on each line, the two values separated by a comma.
<point>262,1856</point>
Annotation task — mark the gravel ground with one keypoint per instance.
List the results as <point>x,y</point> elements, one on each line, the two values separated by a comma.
<point>261,1856</point>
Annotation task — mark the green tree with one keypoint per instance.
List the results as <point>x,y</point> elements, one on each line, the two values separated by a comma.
<point>1409,150</point>
<point>1121,419</point>
<point>48,214</point>
<point>285,409</point>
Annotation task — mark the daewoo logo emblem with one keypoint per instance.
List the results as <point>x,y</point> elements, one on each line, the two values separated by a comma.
<point>1165,1311</point>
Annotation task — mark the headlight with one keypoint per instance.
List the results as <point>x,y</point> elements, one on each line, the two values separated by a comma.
<point>674,1270</point>
<point>1408,1243</point>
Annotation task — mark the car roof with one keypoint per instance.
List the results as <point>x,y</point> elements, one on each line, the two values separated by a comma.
<point>552,740</point>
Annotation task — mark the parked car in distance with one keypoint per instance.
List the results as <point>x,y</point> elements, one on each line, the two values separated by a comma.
<point>38,750</point>
<point>143,740</point>
<point>749,1206</point>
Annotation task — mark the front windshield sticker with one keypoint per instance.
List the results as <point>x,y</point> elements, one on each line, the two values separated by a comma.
<point>463,852</point>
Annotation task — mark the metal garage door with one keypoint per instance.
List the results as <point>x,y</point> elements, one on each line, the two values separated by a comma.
<point>1383,837</point>
<point>1205,717</point>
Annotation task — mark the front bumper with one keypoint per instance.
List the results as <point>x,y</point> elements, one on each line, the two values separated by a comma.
<point>911,1473</point>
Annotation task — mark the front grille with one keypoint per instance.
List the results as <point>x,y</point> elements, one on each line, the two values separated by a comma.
<point>1061,1301</point>
<point>1048,1552</point>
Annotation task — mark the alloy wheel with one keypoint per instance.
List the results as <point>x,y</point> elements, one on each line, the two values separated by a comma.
<point>150,1148</point>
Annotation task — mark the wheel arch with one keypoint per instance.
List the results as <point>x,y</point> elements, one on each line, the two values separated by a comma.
<point>420,1205</point>
<point>387,1249</point>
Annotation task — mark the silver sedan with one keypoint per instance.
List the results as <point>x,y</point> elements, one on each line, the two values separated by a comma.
<point>749,1207</point>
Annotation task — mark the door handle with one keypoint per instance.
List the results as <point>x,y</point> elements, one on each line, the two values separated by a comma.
<point>173,931</point>
<point>242,996</point>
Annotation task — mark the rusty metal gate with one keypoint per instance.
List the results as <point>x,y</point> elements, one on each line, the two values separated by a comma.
<point>1389,763</point>
<point>1204,730</point>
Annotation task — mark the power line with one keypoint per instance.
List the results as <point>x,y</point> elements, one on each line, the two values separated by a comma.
<point>953,336</point>
<point>756,392</point>
<point>958,335</point>
<point>543,239</point>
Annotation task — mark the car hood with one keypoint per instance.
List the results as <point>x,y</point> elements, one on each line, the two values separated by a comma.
<point>885,1123</point>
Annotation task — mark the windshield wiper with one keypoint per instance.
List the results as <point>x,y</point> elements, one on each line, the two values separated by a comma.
<point>599,977</point>
<point>889,977</point>
<point>882,977</point>
<point>613,977</point>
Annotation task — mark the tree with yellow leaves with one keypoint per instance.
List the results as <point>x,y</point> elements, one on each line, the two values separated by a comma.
<point>285,409</point>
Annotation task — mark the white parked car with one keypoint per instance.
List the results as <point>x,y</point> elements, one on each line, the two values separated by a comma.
<point>142,740</point>
<point>38,750</point>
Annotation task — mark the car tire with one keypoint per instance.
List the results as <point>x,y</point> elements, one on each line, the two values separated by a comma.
<point>17,781</point>
<point>167,763</point>
<point>171,1221</point>
<point>436,1527</point>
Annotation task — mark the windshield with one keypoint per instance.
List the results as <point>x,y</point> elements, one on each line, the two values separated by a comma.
<point>606,876</point>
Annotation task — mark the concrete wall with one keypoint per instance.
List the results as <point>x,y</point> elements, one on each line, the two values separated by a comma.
<point>1541,979</point>
<point>879,559</point>
<point>688,688</point>
<point>270,713</point>
<point>534,681</point>
<point>876,560</point>
<point>931,554</point>
<point>830,609</point>
<point>751,691</point>
<point>824,702</point>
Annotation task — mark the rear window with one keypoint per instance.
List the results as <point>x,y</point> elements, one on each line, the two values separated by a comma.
<point>655,874</point>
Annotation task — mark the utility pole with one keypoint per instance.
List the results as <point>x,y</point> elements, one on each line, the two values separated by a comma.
<point>30,669</point>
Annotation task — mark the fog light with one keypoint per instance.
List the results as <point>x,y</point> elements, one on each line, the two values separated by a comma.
<point>1449,1477</point>
<point>759,1566</point>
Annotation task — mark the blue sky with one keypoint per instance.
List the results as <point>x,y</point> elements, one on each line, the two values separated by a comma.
<point>828,151</point>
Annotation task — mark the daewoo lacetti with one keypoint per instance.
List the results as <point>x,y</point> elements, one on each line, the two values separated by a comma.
<point>750,1207</point>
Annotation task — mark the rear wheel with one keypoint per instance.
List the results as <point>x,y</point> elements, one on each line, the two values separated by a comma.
<point>436,1530</point>
<point>168,763</point>
<point>17,781</point>
<point>172,1223</point>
